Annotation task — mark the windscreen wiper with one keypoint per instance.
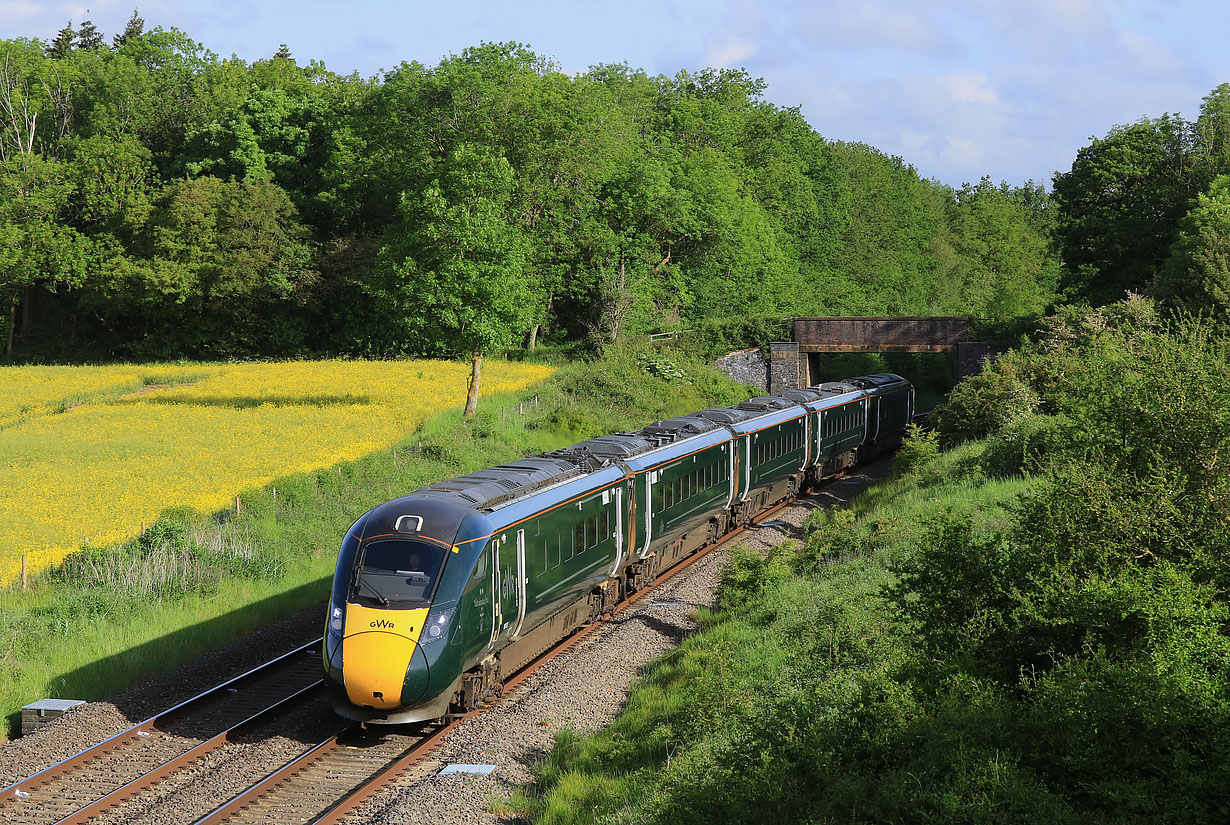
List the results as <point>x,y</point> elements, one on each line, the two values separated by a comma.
<point>361,581</point>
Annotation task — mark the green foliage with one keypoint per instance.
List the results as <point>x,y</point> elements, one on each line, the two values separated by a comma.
<point>953,646</point>
<point>483,202</point>
<point>917,449</point>
<point>1196,276</point>
<point>984,403</point>
<point>1028,443</point>
<point>1119,207</point>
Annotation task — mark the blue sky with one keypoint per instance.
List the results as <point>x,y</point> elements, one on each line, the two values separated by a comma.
<point>958,88</point>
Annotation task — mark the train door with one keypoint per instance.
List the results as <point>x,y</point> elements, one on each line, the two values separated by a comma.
<point>619,529</point>
<point>496,599</point>
<point>522,579</point>
<point>507,581</point>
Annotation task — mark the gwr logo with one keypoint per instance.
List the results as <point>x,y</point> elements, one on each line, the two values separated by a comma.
<point>383,623</point>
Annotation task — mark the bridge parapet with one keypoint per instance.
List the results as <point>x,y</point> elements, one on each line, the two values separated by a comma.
<point>880,334</point>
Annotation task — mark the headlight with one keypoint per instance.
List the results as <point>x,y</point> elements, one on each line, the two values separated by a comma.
<point>337,623</point>
<point>437,626</point>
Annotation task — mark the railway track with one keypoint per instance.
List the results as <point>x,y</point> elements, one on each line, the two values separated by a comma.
<point>328,782</point>
<point>319,786</point>
<point>132,762</point>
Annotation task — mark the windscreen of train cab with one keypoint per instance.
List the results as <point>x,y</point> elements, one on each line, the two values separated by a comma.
<point>397,573</point>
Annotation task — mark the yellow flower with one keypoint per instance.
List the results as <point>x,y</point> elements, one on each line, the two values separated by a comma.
<point>96,451</point>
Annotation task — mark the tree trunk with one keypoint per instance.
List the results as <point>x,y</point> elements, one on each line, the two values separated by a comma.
<point>25,314</point>
<point>476,374</point>
<point>532,341</point>
<point>8,350</point>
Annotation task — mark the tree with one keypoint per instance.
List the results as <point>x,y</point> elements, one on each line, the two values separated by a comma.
<point>89,37</point>
<point>1120,207</point>
<point>455,264</point>
<point>62,46</point>
<point>1197,273</point>
<point>132,30</point>
<point>35,247</point>
<point>283,53</point>
<point>1005,266</point>
<point>212,271</point>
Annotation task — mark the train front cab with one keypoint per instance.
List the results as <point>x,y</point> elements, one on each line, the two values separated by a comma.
<point>391,653</point>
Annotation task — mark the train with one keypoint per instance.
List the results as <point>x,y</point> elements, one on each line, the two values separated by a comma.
<point>440,594</point>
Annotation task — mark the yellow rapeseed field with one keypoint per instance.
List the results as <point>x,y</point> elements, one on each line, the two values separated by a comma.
<point>95,451</point>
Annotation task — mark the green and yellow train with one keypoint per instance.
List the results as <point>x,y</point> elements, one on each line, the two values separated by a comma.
<point>440,593</point>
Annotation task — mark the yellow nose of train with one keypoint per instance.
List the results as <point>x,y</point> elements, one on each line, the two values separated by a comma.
<point>376,652</point>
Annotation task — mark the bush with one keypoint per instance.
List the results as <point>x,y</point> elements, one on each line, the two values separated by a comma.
<point>917,448</point>
<point>984,403</point>
<point>1030,443</point>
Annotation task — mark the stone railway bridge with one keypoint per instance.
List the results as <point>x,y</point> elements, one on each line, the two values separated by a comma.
<point>794,364</point>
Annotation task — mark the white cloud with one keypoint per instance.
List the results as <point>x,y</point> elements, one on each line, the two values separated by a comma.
<point>19,9</point>
<point>872,24</point>
<point>730,54</point>
<point>963,153</point>
<point>1149,54</point>
<point>971,87</point>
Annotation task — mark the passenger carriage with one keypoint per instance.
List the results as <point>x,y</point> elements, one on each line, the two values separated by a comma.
<point>440,594</point>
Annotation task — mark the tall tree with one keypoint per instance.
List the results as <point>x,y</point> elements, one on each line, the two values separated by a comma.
<point>454,264</point>
<point>133,29</point>
<point>1197,273</point>
<point>88,36</point>
<point>62,46</point>
<point>1120,206</point>
<point>1006,268</point>
<point>36,248</point>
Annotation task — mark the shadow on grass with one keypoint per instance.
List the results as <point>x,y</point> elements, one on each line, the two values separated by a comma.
<point>107,677</point>
<point>244,402</point>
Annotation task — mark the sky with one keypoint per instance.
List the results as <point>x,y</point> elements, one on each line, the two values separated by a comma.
<point>960,89</point>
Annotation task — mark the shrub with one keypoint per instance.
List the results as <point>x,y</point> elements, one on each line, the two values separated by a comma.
<point>918,448</point>
<point>983,403</point>
<point>1029,443</point>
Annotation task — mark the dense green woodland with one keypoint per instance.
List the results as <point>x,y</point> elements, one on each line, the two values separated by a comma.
<point>157,200</point>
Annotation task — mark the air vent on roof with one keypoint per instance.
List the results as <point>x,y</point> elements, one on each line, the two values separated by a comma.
<point>764,403</point>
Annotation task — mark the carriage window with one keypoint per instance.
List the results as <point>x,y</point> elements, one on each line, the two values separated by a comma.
<point>578,537</point>
<point>668,497</point>
<point>591,531</point>
<point>604,526</point>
